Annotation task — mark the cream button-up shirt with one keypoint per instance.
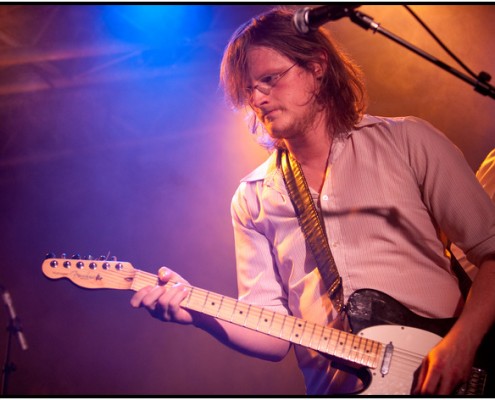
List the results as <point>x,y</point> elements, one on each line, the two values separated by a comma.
<point>390,185</point>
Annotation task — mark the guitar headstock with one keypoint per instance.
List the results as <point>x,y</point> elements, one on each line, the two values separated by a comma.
<point>91,274</point>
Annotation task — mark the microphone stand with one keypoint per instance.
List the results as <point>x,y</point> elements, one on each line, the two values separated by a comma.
<point>480,85</point>
<point>14,328</point>
<point>8,366</point>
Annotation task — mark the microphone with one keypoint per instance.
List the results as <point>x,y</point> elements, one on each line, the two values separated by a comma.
<point>306,19</point>
<point>7,299</point>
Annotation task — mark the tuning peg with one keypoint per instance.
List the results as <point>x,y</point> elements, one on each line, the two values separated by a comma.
<point>63,255</point>
<point>102,258</point>
<point>113,258</point>
<point>89,257</point>
<point>76,256</point>
<point>49,255</point>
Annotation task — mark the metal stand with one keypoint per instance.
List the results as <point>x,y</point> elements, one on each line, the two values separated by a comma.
<point>8,366</point>
<point>14,328</point>
<point>480,85</point>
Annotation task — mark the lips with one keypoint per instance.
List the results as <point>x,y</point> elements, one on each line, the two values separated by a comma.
<point>267,114</point>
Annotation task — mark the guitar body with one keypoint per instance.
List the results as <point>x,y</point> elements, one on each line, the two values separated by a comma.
<point>375,315</point>
<point>399,378</point>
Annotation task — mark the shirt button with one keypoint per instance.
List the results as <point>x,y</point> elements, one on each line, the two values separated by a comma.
<point>324,197</point>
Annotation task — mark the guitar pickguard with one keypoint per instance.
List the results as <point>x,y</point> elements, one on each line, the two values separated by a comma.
<point>368,307</point>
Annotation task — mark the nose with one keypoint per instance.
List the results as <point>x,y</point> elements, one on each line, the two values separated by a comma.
<point>257,97</point>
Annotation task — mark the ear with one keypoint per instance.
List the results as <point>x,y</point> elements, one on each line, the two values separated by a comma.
<point>319,67</point>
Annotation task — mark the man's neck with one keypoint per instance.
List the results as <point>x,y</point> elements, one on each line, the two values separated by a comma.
<point>312,152</point>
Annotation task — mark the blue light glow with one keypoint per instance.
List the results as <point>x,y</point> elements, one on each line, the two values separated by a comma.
<point>156,24</point>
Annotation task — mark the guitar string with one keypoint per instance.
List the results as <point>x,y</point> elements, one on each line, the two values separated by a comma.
<point>331,346</point>
<point>125,279</point>
<point>409,359</point>
<point>362,353</point>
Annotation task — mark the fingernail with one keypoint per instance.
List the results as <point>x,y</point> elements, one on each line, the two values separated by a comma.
<point>163,273</point>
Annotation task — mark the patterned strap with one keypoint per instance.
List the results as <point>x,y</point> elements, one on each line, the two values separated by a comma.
<point>311,226</point>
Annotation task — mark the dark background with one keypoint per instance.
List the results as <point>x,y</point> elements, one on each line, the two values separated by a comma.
<point>115,138</point>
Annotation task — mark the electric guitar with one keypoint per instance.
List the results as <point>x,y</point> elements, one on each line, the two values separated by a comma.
<point>389,346</point>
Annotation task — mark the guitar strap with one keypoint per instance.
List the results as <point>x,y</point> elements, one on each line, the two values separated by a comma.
<point>462,276</point>
<point>311,226</point>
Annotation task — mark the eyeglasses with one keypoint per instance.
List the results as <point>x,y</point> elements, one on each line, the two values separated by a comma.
<point>267,83</point>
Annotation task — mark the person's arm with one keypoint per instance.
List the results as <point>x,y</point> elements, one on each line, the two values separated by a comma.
<point>461,209</point>
<point>449,363</point>
<point>164,304</point>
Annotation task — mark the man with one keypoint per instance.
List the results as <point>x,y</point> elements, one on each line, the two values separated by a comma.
<point>486,177</point>
<point>383,189</point>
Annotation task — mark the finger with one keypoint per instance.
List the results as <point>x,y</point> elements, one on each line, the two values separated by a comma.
<point>137,298</point>
<point>431,381</point>
<point>151,299</point>
<point>167,275</point>
<point>171,301</point>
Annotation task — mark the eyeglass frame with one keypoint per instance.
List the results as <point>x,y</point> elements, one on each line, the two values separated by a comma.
<point>266,87</point>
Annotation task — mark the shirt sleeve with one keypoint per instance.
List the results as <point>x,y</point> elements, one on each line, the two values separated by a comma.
<point>450,189</point>
<point>257,275</point>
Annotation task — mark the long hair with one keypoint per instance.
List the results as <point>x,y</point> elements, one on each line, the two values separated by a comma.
<point>342,90</point>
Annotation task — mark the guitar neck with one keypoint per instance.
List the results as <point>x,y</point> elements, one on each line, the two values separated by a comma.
<point>330,341</point>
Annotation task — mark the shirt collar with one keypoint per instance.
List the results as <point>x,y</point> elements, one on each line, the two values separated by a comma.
<point>268,170</point>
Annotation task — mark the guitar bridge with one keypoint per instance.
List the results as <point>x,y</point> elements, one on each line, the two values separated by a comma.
<point>475,385</point>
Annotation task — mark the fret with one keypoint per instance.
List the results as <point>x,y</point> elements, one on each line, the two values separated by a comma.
<point>297,331</point>
<point>253,317</point>
<point>247,315</point>
<point>333,341</point>
<point>188,299</point>
<point>205,302</point>
<point>219,307</point>
<point>196,300</point>
<point>366,355</point>
<point>271,324</point>
<point>239,314</point>
<point>354,351</point>
<point>339,345</point>
<point>276,325</point>
<point>372,353</point>
<point>292,331</point>
<point>212,304</point>
<point>311,337</point>
<point>324,340</point>
<point>226,312</point>
<point>282,327</point>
